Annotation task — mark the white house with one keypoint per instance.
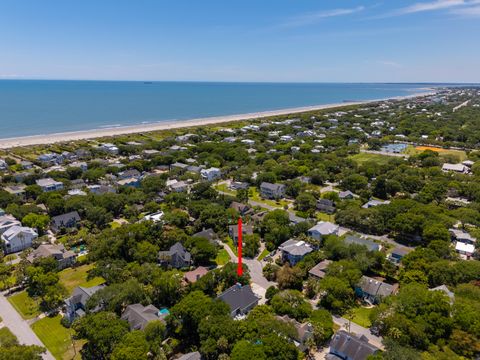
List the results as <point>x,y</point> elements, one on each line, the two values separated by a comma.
<point>211,174</point>
<point>111,148</point>
<point>323,228</point>
<point>49,184</point>
<point>18,238</point>
<point>155,217</point>
<point>3,165</point>
<point>459,168</point>
<point>8,221</point>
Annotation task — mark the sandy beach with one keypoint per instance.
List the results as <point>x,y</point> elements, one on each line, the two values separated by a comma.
<point>165,125</point>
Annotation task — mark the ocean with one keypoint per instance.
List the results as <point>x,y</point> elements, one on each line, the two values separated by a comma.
<point>37,107</point>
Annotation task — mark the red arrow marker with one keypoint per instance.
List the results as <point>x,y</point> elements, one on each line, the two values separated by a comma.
<point>239,248</point>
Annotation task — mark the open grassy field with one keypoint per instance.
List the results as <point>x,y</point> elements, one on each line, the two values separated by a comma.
<point>57,338</point>
<point>73,277</point>
<point>362,158</point>
<point>361,316</point>
<point>25,305</point>
<point>459,154</point>
<point>222,257</point>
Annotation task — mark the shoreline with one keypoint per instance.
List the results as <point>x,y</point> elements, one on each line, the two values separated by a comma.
<point>47,139</point>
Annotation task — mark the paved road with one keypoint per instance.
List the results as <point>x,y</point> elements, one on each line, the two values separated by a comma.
<point>255,267</point>
<point>20,327</point>
<point>358,330</point>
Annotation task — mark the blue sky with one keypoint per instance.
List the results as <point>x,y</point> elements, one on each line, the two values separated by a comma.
<point>248,40</point>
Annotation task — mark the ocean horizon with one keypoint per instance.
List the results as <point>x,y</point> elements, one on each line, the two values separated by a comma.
<point>42,107</point>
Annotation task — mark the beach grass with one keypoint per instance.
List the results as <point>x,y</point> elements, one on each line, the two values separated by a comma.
<point>27,307</point>
<point>57,338</point>
<point>73,277</point>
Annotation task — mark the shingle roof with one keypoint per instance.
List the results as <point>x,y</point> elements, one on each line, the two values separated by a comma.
<point>375,287</point>
<point>351,346</point>
<point>138,316</point>
<point>238,297</point>
<point>295,247</point>
<point>371,246</point>
<point>319,269</point>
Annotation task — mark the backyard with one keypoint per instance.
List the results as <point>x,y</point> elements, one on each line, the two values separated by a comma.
<point>73,277</point>
<point>361,316</point>
<point>222,257</point>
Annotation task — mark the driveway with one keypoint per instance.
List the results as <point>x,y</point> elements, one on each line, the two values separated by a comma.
<point>20,327</point>
<point>358,330</point>
<point>255,267</point>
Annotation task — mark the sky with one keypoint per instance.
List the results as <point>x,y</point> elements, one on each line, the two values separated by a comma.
<point>248,40</point>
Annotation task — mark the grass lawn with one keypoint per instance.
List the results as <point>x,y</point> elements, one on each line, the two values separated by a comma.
<point>222,257</point>
<point>264,253</point>
<point>57,338</point>
<point>224,188</point>
<point>25,305</point>
<point>325,217</point>
<point>254,195</point>
<point>361,316</point>
<point>229,242</point>
<point>6,337</point>
<point>73,277</point>
<point>377,158</point>
<point>460,154</point>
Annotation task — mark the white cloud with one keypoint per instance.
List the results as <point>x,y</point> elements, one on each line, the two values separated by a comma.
<point>389,63</point>
<point>311,18</point>
<point>430,6</point>
<point>472,11</point>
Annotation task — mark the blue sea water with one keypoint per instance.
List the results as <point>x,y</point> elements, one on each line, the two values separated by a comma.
<point>34,107</point>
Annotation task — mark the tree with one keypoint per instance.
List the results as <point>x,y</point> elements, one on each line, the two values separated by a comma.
<point>289,277</point>
<point>103,331</point>
<point>251,245</point>
<point>338,295</point>
<point>322,326</point>
<point>36,221</point>
<point>242,195</point>
<point>245,350</point>
<point>305,202</point>
<point>202,250</point>
<point>133,346</point>
<point>291,303</point>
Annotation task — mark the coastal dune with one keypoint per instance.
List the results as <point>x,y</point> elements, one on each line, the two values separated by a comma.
<point>140,128</point>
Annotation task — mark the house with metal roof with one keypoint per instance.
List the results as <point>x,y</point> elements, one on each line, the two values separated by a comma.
<point>18,238</point>
<point>294,250</point>
<point>322,229</point>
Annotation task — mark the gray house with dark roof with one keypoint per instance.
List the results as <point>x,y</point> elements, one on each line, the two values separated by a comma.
<point>303,331</point>
<point>208,234</point>
<point>294,250</point>
<point>64,258</point>
<point>350,347</point>
<point>65,221</point>
<point>240,299</point>
<point>76,305</point>
<point>177,257</point>
<point>272,191</point>
<point>373,290</point>
<point>138,316</point>
<point>370,245</point>
<point>326,206</point>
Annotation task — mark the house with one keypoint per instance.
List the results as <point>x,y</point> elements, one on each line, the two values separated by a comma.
<point>240,299</point>
<point>131,173</point>
<point>18,238</point>
<point>458,168</point>
<point>191,356</point>
<point>192,276</point>
<point>346,195</point>
<point>156,217</point>
<point>178,166</point>
<point>176,257</point>
<point>348,346</point>
<point>294,250</point>
<point>464,249</point>
<point>110,148</point>
<point>272,191</point>
<point>397,254</point>
<point>3,165</point>
<point>26,164</point>
<point>210,174</point>
<point>138,316</point>
<point>446,291</point>
<point>64,258</point>
<point>48,184</point>
<point>17,190</point>
<point>131,182</point>
<point>325,205</point>
<point>373,203</point>
<point>322,229</point>
<point>237,185</point>
<point>7,221</point>
<point>370,245</point>
<point>242,209</point>
<point>318,271</point>
<point>101,189</point>
<point>65,221</point>
<point>302,333</point>
<point>208,234</point>
<point>373,290</point>
<point>178,186</point>
<point>233,231</point>
<point>76,305</point>
<point>464,242</point>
